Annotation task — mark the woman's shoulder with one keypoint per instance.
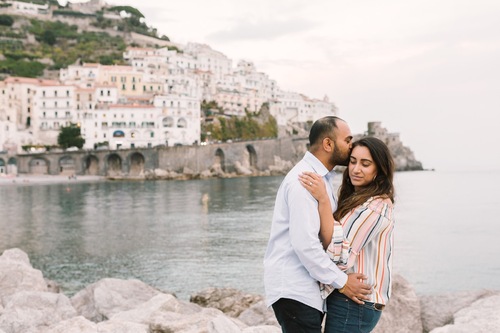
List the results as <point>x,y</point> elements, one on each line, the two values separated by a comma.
<point>381,205</point>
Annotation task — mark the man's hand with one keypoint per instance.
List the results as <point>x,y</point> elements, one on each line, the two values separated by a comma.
<point>356,289</point>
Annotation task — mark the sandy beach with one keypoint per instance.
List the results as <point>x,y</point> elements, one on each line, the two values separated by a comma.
<point>6,180</point>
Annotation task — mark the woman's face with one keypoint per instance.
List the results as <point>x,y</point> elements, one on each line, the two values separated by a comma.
<point>362,168</point>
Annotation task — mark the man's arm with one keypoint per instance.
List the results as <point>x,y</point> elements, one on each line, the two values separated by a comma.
<point>304,230</point>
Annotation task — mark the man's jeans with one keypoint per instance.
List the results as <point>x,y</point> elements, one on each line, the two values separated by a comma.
<point>346,316</point>
<point>296,317</point>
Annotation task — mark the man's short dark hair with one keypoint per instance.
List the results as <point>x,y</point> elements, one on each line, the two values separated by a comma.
<point>322,128</point>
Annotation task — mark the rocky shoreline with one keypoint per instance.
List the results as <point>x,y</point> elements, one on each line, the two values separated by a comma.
<point>29,303</point>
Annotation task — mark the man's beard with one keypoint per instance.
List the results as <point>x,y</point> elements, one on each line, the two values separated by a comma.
<point>339,159</point>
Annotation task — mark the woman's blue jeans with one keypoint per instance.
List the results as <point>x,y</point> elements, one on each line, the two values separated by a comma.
<point>346,316</point>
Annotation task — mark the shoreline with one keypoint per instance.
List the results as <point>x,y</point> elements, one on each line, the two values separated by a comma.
<point>15,180</point>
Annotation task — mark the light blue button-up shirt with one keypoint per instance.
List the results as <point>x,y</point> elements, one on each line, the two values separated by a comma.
<point>295,260</point>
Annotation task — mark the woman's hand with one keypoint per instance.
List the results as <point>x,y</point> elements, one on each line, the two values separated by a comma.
<point>314,184</point>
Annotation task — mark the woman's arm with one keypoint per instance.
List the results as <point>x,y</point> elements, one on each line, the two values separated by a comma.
<point>315,185</point>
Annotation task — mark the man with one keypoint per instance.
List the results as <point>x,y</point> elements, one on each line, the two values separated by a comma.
<point>295,261</point>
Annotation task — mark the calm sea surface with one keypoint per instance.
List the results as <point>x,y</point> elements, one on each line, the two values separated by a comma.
<point>185,236</point>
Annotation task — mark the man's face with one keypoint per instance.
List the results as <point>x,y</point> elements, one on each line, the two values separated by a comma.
<point>343,145</point>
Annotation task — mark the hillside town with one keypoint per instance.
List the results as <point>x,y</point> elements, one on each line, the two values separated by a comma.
<point>154,100</point>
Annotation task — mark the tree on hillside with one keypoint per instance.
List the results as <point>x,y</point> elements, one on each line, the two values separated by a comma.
<point>70,136</point>
<point>6,20</point>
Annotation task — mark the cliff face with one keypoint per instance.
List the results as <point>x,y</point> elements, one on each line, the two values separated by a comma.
<point>403,156</point>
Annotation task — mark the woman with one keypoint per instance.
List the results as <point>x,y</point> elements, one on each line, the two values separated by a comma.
<point>359,235</point>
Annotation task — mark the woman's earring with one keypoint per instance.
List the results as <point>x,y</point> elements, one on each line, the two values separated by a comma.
<point>374,178</point>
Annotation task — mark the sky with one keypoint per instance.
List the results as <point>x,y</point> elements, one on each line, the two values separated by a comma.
<point>428,70</point>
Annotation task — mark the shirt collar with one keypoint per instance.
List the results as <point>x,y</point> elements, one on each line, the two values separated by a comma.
<point>317,166</point>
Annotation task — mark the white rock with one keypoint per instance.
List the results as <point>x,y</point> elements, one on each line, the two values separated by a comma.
<point>480,317</point>
<point>15,255</point>
<point>161,173</point>
<point>16,274</point>
<point>258,314</point>
<point>103,299</point>
<point>76,324</point>
<point>241,170</point>
<point>164,305</point>
<point>402,311</point>
<point>196,322</point>
<point>438,310</point>
<point>28,311</point>
<point>113,326</point>
<point>222,324</point>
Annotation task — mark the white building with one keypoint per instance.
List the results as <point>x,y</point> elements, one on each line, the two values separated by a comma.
<point>54,108</point>
<point>293,111</point>
<point>209,60</point>
<point>181,119</point>
<point>28,8</point>
<point>122,126</point>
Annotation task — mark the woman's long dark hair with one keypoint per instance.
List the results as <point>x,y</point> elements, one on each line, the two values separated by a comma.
<point>381,186</point>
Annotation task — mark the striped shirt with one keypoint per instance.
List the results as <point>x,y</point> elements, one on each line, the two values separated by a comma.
<point>362,242</point>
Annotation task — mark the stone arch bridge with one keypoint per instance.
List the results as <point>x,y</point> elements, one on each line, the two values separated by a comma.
<point>255,155</point>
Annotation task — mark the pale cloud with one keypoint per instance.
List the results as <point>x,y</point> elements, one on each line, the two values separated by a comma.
<point>264,30</point>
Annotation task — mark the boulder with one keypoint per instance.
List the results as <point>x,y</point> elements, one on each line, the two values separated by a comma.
<point>33,311</point>
<point>165,305</point>
<point>17,274</point>
<point>189,323</point>
<point>438,310</point>
<point>402,311</point>
<point>113,326</point>
<point>76,324</point>
<point>258,314</point>
<point>242,170</point>
<point>480,317</point>
<point>100,300</point>
<point>216,170</point>
<point>222,324</point>
<point>230,301</point>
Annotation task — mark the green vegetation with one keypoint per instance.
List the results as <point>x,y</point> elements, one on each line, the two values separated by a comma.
<point>71,13</point>
<point>210,108</point>
<point>60,42</point>
<point>6,20</point>
<point>21,68</point>
<point>70,136</point>
<point>252,126</point>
